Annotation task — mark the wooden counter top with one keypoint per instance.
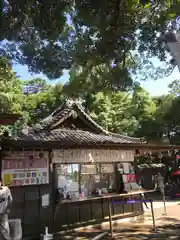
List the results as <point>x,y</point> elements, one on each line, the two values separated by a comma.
<point>107,196</point>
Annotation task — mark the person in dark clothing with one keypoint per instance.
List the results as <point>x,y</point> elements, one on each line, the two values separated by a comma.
<point>142,194</point>
<point>121,188</point>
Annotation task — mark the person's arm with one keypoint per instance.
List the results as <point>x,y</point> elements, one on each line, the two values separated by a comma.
<point>10,197</point>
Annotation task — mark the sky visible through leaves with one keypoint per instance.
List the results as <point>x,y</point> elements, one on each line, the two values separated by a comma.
<point>156,88</point>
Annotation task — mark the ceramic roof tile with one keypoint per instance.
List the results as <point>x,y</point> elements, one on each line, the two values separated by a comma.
<point>72,136</point>
<point>68,109</point>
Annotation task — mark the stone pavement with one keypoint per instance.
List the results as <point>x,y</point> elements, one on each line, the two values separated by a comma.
<point>159,204</point>
<point>167,227</point>
<point>172,207</point>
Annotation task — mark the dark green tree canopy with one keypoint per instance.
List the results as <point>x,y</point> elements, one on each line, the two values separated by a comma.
<point>134,112</point>
<point>50,36</point>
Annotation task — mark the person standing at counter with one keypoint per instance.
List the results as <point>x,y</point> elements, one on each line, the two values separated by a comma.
<point>154,182</point>
<point>5,204</point>
<point>120,182</point>
<point>142,194</point>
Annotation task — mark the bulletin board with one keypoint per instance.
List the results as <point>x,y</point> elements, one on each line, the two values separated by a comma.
<point>128,173</point>
<point>129,176</point>
<point>25,168</point>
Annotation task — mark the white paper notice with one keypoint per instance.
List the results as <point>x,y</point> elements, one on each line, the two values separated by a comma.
<point>45,200</point>
<point>62,181</point>
<point>125,178</point>
<point>126,167</point>
<point>135,186</point>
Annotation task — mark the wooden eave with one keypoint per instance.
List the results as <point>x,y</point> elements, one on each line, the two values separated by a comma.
<point>59,145</point>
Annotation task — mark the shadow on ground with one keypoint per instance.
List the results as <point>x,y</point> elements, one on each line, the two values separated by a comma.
<point>168,219</point>
<point>83,235</point>
<point>134,232</point>
<point>144,232</point>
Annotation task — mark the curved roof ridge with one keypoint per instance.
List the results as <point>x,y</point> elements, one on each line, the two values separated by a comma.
<point>66,109</point>
<point>126,137</point>
<point>90,119</point>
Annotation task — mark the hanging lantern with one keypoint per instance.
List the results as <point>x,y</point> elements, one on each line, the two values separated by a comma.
<point>137,152</point>
<point>41,154</point>
<point>31,157</point>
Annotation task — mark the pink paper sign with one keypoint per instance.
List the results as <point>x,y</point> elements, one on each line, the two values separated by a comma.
<point>131,178</point>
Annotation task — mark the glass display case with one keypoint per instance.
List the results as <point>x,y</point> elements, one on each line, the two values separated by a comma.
<point>67,181</point>
<point>83,180</point>
<point>76,181</point>
<point>97,176</point>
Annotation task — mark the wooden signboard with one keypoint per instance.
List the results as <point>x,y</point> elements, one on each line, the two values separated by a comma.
<point>25,168</point>
<point>92,155</point>
<point>129,176</point>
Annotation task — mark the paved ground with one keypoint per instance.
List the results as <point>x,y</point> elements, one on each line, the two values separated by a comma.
<point>160,204</point>
<point>167,227</point>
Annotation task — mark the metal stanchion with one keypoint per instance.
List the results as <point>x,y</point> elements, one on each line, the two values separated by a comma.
<point>153,218</point>
<point>100,236</point>
<point>160,184</point>
<point>130,202</point>
<point>164,201</point>
<point>110,217</point>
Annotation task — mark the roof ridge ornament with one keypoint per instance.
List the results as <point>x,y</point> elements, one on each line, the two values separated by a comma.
<point>70,102</point>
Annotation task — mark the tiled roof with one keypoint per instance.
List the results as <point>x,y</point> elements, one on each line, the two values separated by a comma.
<point>67,109</point>
<point>45,128</point>
<point>67,136</point>
<point>127,138</point>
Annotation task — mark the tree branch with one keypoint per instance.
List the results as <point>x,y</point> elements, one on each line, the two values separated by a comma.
<point>167,75</point>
